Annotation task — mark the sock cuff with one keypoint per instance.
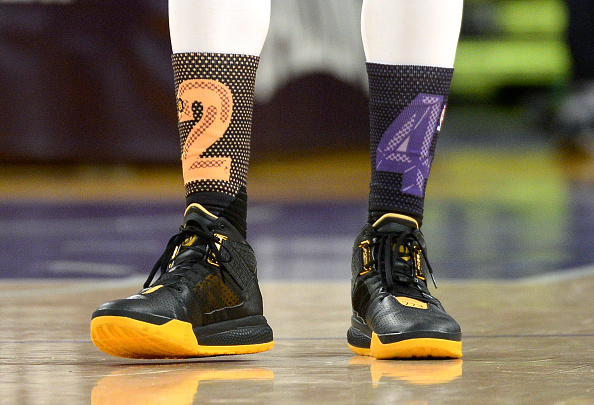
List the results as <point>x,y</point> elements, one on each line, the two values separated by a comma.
<point>392,80</point>
<point>233,209</point>
<point>203,65</point>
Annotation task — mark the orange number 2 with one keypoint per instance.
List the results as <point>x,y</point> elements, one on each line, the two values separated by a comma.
<point>217,108</point>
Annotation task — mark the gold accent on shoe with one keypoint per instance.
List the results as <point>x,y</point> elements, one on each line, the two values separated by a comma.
<point>201,208</point>
<point>152,289</point>
<point>417,256</point>
<point>411,302</point>
<point>211,257</point>
<point>366,250</point>
<point>399,216</point>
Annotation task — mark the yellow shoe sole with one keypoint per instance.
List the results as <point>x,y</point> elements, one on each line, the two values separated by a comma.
<point>130,338</point>
<point>411,348</point>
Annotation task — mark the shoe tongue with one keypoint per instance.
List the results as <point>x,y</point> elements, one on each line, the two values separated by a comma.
<point>197,214</point>
<point>398,223</point>
<point>395,223</point>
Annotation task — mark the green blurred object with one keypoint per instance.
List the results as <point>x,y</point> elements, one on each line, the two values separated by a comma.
<point>511,43</point>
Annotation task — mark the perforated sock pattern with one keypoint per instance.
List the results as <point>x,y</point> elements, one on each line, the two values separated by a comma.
<point>238,74</point>
<point>392,88</point>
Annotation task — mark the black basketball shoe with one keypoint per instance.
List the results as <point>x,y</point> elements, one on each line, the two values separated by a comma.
<point>394,315</point>
<point>205,303</point>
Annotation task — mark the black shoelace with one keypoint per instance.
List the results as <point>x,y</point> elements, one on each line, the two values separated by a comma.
<point>391,265</point>
<point>207,243</point>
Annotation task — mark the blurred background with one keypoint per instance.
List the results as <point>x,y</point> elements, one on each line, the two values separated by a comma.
<point>90,179</point>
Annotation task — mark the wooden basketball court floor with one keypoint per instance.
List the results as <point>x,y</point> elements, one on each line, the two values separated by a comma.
<point>525,342</point>
<point>528,329</point>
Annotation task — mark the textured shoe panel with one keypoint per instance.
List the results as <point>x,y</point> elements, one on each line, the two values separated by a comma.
<point>389,316</point>
<point>165,302</point>
<point>366,290</point>
<point>214,294</point>
<point>358,339</point>
<point>242,264</point>
<point>248,335</point>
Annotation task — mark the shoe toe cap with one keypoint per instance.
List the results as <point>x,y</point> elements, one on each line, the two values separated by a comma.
<point>393,318</point>
<point>155,308</point>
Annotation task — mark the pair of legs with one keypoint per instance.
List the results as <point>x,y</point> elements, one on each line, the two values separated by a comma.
<point>206,300</point>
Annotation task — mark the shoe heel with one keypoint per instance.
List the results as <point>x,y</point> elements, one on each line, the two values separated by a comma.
<point>240,336</point>
<point>358,339</point>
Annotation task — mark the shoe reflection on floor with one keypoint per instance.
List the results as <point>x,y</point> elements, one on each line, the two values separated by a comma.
<point>417,372</point>
<point>171,384</point>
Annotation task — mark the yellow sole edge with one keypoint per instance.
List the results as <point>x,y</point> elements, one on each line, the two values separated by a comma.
<point>130,338</point>
<point>416,348</point>
<point>411,348</point>
<point>360,350</point>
